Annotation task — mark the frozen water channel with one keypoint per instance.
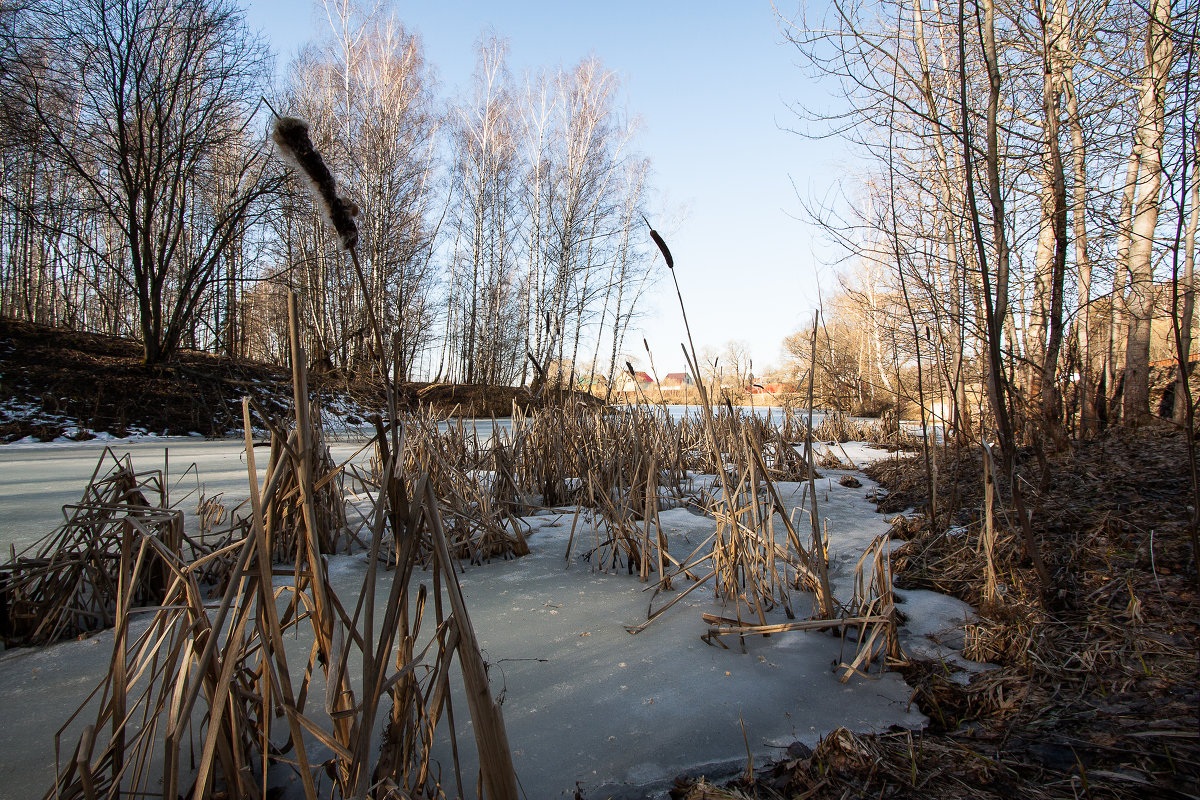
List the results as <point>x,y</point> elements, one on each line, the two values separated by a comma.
<point>584,701</point>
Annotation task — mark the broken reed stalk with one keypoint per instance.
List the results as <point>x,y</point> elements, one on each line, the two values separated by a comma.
<point>873,602</point>
<point>491,737</point>
<point>988,533</point>
<point>339,699</point>
<point>303,466</point>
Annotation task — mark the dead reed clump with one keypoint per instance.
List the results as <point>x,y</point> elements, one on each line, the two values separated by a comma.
<point>905,528</point>
<point>872,611</point>
<point>622,466</point>
<point>895,764</point>
<point>1003,640</point>
<point>190,705</point>
<point>756,557</point>
<point>287,525</point>
<point>870,618</point>
<point>473,481</point>
<point>69,583</point>
<point>630,468</point>
<point>830,460</point>
<point>209,681</point>
<point>837,426</point>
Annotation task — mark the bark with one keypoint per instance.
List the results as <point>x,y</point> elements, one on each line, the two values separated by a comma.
<point>1188,293</point>
<point>1088,417</point>
<point>1149,137</point>
<point>1051,411</point>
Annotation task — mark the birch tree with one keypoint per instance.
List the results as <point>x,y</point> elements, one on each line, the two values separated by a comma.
<point>366,91</point>
<point>1148,145</point>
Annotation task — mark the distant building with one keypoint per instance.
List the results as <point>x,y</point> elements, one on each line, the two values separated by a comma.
<point>676,382</point>
<point>631,383</point>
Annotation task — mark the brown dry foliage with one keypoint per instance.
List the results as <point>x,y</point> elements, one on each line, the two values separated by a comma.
<point>1097,697</point>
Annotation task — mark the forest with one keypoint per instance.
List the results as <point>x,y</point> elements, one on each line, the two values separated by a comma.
<point>142,196</point>
<point>1018,242</point>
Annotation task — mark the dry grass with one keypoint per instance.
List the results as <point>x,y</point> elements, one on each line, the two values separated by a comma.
<point>69,584</point>
<point>1096,697</point>
<point>204,702</point>
<point>205,699</point>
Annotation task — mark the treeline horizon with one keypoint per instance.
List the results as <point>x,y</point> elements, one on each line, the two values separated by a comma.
<point>1020,242</point>
<point>142,196</point>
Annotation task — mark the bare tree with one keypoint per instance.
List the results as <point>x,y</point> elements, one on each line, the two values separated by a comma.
<point>147,103</point>
<point>367,93</point>
<point>486,289</point>
<point>546,215</point>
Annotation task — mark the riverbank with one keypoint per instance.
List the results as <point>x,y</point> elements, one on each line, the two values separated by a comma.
<point>61,385</point>
<point>1096,692</point>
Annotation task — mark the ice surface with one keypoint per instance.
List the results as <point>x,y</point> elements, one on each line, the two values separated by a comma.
<point>584,701</point>
<point>36,480</point>
<point>935,631</point>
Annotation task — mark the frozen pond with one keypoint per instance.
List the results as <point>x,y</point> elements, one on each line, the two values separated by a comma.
<point>584,701</point>
<point>36,480</point>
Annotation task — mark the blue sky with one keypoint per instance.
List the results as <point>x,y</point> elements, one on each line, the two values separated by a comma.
<point>711,82</point>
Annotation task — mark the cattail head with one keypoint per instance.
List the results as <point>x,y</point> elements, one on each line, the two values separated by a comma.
<point>662,246</point>
<point>291,137</point>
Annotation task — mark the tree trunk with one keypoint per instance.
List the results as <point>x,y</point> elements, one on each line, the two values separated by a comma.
<point>1088,418</point>
<point>1150,124</point>
<point>1189,289</point>
<point>1052,60</point>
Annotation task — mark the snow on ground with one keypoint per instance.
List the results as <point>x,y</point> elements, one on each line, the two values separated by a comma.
<point>583,700</point>
<point>339,413</point>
